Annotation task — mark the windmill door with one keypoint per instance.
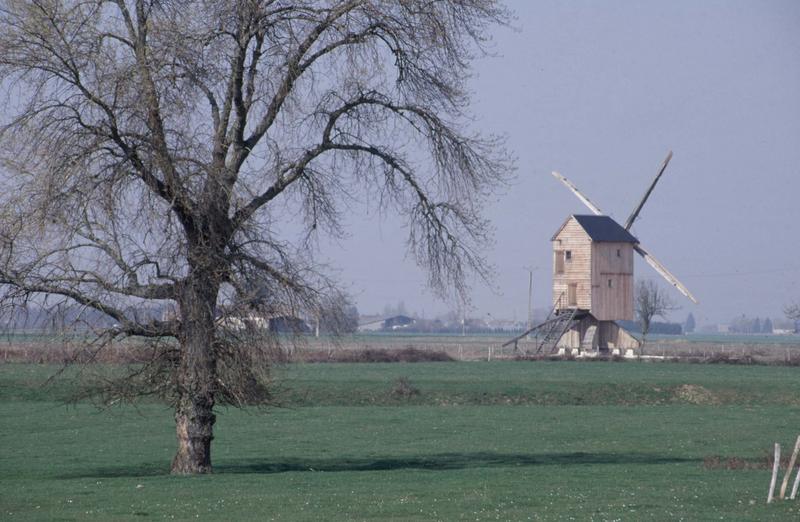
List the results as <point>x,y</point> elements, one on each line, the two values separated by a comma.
<point>572,294</point>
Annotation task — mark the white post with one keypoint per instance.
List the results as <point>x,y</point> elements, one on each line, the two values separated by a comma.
<point>775,466</point>
<point>790,468</point>
<point>796,484</point>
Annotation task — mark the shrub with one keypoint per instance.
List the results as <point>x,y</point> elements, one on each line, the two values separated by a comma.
<point>372,355</point>
<point>404,389</point>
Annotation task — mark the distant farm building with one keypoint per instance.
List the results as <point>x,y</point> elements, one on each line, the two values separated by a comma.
<point>397,322</point>
<point>370,323</point>
<point>382,323</point>
<point>274,323</point>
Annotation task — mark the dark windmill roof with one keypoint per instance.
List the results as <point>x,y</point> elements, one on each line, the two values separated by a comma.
<point>602,228</point>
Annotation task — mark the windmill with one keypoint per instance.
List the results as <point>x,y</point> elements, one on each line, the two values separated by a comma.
<point>593,279</point>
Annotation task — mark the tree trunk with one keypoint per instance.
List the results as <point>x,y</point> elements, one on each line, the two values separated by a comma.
<point>194,421</point>
<point>194,417</point>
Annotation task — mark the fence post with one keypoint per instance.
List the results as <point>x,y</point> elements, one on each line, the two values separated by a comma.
<point>796,484</point>
<point>775,466</point>
<point>789,470</point>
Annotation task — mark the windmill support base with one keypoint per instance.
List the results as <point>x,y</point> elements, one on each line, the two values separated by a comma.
<point>591,336</point>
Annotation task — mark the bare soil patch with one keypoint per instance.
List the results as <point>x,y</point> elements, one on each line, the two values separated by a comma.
<point>742,463</point>
<point>695,394</point>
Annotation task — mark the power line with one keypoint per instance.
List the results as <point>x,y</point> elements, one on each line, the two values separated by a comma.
<point>751,272</point>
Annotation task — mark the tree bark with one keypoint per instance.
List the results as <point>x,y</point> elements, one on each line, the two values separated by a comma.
<point>194,421</point>
<point>194,416</point>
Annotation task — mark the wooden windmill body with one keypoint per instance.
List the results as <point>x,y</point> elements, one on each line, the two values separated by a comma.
<point>593,284</point>
<point>593,278</point>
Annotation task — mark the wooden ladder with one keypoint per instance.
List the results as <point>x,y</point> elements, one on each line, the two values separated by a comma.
<point>555,328</point>
<point>551,330</point>
<point>536,329</point>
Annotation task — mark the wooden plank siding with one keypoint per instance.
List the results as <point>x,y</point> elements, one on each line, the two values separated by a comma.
<point>615,302</point>
<point>572,237</point>
<point>590,267</point>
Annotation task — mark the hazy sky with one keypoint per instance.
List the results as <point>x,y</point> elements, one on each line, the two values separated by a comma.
<point>600,91</point>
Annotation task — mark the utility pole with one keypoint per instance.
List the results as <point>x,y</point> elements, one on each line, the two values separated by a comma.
<point>530,297</point>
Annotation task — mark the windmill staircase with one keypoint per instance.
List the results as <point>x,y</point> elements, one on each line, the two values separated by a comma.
<point>549,332</point>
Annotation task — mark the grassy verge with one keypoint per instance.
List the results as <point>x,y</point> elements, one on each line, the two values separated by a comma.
<point>348,448</point>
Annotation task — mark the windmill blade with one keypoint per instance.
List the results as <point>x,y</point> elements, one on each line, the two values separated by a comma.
<point>638,208</point>
<point>594,208</point>
<point>661,269</point>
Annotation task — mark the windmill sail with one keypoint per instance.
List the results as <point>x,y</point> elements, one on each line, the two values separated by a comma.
<point>586,201</point>
<point>652,261</point>
<point>666,274</point>
<point>638,208</point>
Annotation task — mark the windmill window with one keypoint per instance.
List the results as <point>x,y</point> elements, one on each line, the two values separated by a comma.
<point>610,285</point>
<point>568,255</point>
<point>619,253</point>
<point>559,262</point>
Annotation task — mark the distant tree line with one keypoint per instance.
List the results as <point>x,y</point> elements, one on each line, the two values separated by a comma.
<point>656,327</point>
<point>339,317</point>
<point>690,324</point>
<point>62,319</point>
<point>746,325</point>
<point>399,309</point>
<point>440,326</point>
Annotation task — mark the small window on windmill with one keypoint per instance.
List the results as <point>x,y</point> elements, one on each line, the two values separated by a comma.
<point>619,253</point>
<point>559,261</point>
<point>610,285</point>
<point>572,294</point>
<point>568,255</point>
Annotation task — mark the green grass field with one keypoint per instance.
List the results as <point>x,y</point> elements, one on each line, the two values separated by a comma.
<point>479,441</point>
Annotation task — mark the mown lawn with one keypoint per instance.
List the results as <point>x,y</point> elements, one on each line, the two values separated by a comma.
<point>479,441</point>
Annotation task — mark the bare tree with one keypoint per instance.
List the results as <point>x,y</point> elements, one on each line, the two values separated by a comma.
<point>792,312</point>
<point>650,301</point>
<point>185,154</point>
